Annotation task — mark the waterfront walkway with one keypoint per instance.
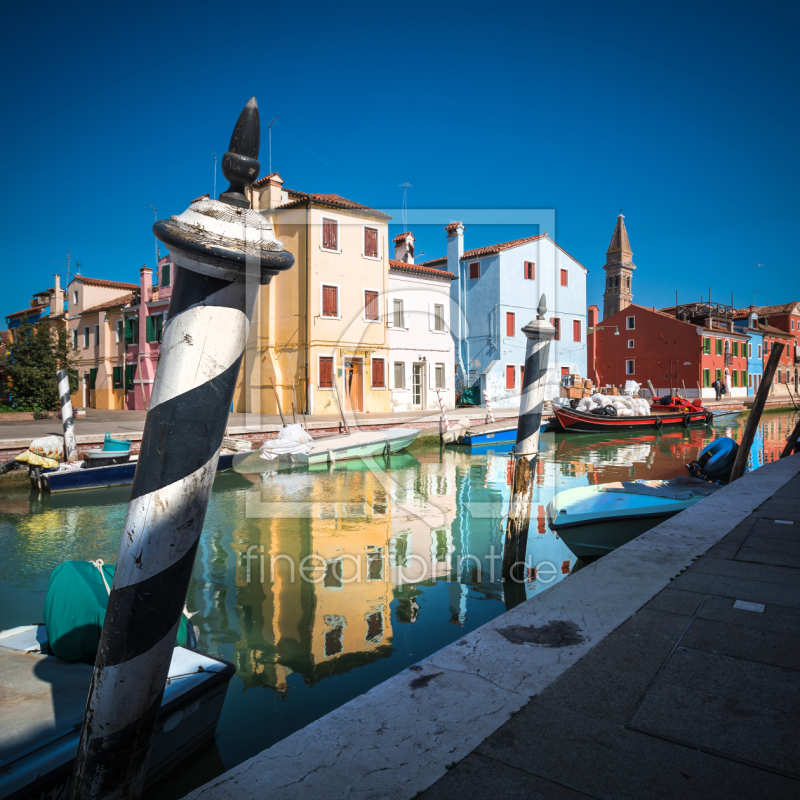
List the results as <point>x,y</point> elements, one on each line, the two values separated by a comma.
<point>668,669</point>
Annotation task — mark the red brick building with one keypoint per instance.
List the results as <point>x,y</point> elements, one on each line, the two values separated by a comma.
<point>674,348</point>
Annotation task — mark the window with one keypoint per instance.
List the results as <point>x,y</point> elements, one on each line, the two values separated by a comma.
<point>330,234</point>
<point>131,330</point>
<point>75,296</point>
<point>521,375</point>
<point>325,372</point>
<point>630,366</point>
<point>117,375</point>
<point>510,326</point>
<point>371,242</point>
<point>777,377</point>
<point>734,377</point>
<point>759,351</point>
<point>511,376</point>
<point>630,344</point>
<point>474,270</point>
<point>718,374</point>
<point>438,317</point>
<point>96,335</point>
<point>630,323</point>
<point>397,314</point>
<point>749,350</point>
<point>576,330</point>
<point>86,337</point>
<point>154,325</point>
<point>92,377</point>
<point>439,377</point>
<point>165,276</point>
<point>370,305</point>
<point>399,375</point>
<point>530,271</point>
<point>706,378</point>
<point>792,323</point>
<point>330,301</point>
<point>556,323</point>
<point>378,373</point>
<point>735,349</point>
<point>707,346</point>
<point>564,278</point>
<point>718,349</point>
<point>75,338</point>
<point>119,332</point>
<point>130,374</point>
<point>744,378</point>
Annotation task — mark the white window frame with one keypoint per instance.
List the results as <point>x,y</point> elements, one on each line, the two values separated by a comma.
<point>390,301</point>
<point>630,344</point>
<point>469,270</point>
<point>395,387</point>
<point>560,270</point>
<point>364,311</point>
<point>87,337</point>
<point>630,362</point>
<point>338,222</point>
<point>379,257</point>
<point>385,386</point>
<point>333,372</point>
<point>436,366</point>
<point>119,325</point>
<point>338,300</point>
<point>630,323</point>
<point>432,318</point>
<point>514,388</point>
<point>75,297</point>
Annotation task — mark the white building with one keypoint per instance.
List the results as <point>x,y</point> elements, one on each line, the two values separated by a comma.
<point>421,349</point>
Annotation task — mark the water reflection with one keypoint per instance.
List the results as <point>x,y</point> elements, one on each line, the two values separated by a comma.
<point>400,558</point>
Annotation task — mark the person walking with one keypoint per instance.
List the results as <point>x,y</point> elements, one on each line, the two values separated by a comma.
<point>717,387</point>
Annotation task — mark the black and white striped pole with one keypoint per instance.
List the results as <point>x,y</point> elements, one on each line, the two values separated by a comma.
<point>539,333</point>
<point>223,251</point>
<point>67,420</point>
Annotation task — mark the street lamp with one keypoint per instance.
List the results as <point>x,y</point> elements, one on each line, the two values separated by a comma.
<point>603,327</point>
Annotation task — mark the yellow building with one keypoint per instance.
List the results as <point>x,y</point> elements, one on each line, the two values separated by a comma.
<point>97,335</point>
<point>320,325</point>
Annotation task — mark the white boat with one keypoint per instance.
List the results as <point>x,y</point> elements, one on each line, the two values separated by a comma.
<point>594,520</point>
<point>42,704</point>
<point>359,444</point>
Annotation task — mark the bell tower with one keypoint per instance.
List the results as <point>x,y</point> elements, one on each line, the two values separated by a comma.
<point>619,268</point>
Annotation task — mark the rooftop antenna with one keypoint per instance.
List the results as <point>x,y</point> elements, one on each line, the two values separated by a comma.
<point>155,219</point>
<point>67,265</point>
<point>214,196</point>
<point>405,186</point>
<point>756,291</point>
<point>269,131</point>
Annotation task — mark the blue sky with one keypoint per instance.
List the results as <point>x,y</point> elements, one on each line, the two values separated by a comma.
<point>682,114</point>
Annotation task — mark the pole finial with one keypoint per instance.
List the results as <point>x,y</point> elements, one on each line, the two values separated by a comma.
<point>240,164</point>
<point>540,311</point>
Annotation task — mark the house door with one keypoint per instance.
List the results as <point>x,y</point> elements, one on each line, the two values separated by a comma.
<point>418,386</point>
<point>353,384</point>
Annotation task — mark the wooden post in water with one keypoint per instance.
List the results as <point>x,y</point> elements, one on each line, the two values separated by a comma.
<point>755,415</point>
<point>67,420</point>
<point>652,390</point>
<point>539,333</point>
<point>277,401</point>
<point>224,252</point>
<point>791,441</point>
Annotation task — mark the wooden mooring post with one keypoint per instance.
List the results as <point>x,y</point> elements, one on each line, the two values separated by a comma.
<point>539,334</point>
<point>224,252</point>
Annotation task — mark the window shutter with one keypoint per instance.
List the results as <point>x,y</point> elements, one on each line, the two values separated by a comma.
<point>431,317</point>
<point>474,270</point>
<point>389,313</point>
<point>510,375</point>
<point>510,325</point>
<point>326,372</point>
<point>576,330</point>
<point>148,335</point>
<point>92,377</point>
<point>564,281</point>
<point>406,319</point>
<point>165,276</point>
<point>330,301</point>
<point>371,242</point>
<point>378,376</point>
<point>530,271</point>
<point>371,305</point>
<point>330,237</point>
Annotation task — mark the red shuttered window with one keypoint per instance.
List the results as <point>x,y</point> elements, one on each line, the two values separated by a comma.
<point>511,375</point>
<point>371,242</point>
<point>556,323</point>
<point>521,375</point>
<point>326,372</point>
<point>330,234</point>
<point>530,271</point>
<point>576,330</point>
<point>370,305</point>
<point>378,374</point>
<point>510,326</point>
<point>330,301</point>
<point>564,278</point>
<point>474,270</point>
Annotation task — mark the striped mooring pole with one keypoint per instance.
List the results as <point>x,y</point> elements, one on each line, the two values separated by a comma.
<point>444,413</point>
<point>67,420</point>
<point>539,333</point>
<point>223,251</point>
<point>488,406</point>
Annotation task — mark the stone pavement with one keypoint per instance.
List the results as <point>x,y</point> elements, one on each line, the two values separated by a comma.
<point>697,695</point>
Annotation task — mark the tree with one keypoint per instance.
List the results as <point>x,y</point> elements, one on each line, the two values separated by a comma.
<point>34,358</point>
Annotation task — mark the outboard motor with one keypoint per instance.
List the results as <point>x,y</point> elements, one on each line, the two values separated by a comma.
<point>715,461</point>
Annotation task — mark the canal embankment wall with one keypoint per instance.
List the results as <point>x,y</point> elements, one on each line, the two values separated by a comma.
<point>446,722</point>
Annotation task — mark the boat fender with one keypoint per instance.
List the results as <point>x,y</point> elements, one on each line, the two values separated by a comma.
<point>611,411</point>
<point>709,418</point>
<point>687,420</point>
<point>658,422</point>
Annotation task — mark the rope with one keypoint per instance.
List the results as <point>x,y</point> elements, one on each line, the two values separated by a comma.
<point>488,406</point>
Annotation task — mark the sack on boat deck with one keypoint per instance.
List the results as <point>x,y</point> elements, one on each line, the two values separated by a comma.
<point>75,609</point>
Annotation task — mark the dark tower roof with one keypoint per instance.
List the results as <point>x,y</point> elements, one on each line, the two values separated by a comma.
<point>619,251</point>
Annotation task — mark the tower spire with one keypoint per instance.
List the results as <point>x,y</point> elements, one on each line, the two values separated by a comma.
<point>619,267</point>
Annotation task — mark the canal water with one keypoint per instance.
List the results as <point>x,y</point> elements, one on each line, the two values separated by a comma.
<point>320,584</point>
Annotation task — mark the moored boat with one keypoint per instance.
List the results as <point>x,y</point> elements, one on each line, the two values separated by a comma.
<point>581,422</point>
<point>494,434</point>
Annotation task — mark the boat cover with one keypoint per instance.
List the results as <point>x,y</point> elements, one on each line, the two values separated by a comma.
<point>681,487</point>
<point>291,440</point>
<point>75,609</point>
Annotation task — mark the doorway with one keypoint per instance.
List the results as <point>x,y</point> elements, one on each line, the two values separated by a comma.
<point>354,384</point>
<point>418,386</point>
<point>86,390</point>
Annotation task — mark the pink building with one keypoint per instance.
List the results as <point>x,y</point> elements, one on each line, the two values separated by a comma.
<point>144,324</point>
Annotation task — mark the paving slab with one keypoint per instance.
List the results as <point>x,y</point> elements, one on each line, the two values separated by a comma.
<point>773,618</point>
<point>768,573</point>
<point>676,601</point>
<point>739,589</point>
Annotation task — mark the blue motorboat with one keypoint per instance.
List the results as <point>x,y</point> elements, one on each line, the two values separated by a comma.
<point>725,416</point>
<point>498,433</point>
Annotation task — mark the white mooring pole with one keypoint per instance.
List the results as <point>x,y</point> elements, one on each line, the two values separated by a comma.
<point>68,421</point>
<point>488,406</point>
<point>539,333</point>
<point>223,251</point>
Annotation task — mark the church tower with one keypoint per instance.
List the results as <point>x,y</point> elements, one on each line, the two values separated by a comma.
<point>619,267</point>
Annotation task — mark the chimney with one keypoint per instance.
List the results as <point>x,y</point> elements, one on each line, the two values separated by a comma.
<point>267,192</point>
<point>57,303</point>
<point>455,246</point>
<point>404,247</point>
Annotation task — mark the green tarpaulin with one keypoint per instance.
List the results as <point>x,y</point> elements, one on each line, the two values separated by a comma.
<point>75,608</point>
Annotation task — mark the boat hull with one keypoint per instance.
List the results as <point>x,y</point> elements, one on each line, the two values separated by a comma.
<point>578,422</point>
<point>507,436</point>
<point>600,538</point>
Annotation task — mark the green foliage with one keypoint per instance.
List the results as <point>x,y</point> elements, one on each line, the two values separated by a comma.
<point>34,358</point>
